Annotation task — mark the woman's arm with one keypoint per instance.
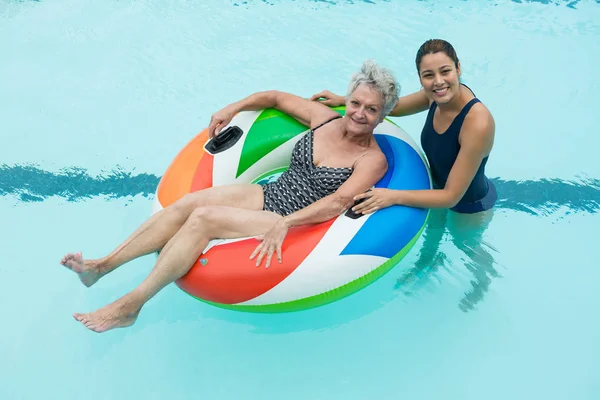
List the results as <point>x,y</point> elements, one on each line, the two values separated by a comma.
<point>406,105</point>
<point>476,139</point>
<point>411,104</point>
<point>370,169</point>
<point>305,111</point>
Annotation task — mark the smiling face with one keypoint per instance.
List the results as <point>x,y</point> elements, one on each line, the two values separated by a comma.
<point>439,77</point>
<point>364,110</point>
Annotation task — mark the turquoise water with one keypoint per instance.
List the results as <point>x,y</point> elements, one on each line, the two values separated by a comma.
<point>96,98</point>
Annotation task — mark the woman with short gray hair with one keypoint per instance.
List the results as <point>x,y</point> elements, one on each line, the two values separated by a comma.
<point>379,79</point>
<point>337,159</point>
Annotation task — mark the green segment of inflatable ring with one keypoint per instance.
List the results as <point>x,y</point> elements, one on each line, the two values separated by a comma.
<point>283,128</point>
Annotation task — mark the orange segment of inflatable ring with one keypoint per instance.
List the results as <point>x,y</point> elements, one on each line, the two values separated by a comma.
<point>181,175</point>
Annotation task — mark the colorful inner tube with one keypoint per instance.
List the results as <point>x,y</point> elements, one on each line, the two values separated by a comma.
<point>322,263</point>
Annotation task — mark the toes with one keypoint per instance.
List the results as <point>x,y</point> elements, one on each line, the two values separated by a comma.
<point>83,318</point>
<point>87,321</point>
<point>77,257</point>
<point>66,259</point>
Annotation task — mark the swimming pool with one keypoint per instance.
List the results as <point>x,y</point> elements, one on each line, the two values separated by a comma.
<point>96,98</point>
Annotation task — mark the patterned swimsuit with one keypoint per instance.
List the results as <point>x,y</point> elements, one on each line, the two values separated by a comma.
<point>303,183</point>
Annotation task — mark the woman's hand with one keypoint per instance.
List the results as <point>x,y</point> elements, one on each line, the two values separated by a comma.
<point>330,99</point>
<point>376,199</point>
<point>271,242</point>
<point>219,120</point>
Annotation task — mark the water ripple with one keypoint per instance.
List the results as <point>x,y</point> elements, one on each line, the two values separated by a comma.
<point>29,183</point>
<point>32,184</point>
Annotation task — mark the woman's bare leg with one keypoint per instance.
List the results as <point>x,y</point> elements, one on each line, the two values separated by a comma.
<point>467,231</point>
<point>153,234</point>
<point>177,257</point>
<point>429,255</point>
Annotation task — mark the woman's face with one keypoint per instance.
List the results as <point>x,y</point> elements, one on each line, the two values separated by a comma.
<point>364,110</point>
<point>439,77</point>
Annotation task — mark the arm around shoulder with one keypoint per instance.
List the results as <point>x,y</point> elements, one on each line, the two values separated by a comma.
<point>367,172</point>
<point>411,104</point>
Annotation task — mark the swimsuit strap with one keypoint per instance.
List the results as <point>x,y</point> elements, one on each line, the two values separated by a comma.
<point>470,90</point>
<point>326,122</point>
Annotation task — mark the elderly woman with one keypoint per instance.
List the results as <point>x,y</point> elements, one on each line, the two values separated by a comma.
<point>334,161</point>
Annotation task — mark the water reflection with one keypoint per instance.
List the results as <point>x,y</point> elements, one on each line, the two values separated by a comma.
<point>466,232</point>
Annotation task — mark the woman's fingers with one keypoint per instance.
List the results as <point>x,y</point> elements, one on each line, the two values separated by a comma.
<point>371,209</point>
<point>368,193</point>
<point>364,205</point>
<point>269,257</point>
<point>322,94</point>
<point>211,127</point>
<point>271,243</point>
<point>261,254</point>
<point>265,249</point>
<point>256,250</point>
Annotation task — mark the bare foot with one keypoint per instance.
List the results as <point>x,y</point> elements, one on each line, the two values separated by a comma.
<point>88,270</point>
<point>119,314</point>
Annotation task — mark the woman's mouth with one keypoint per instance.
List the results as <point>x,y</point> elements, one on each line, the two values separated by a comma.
<point>440,92</point>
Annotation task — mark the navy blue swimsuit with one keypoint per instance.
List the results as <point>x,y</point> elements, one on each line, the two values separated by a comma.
<point>441,151</point>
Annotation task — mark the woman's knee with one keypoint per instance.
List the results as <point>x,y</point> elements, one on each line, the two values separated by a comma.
<point>188,203</point>
<point>202,217</point>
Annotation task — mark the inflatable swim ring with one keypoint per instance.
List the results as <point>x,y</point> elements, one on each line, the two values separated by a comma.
<point>322,263</point>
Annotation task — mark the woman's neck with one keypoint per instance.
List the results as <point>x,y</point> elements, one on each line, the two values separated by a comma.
<point>458,102</point>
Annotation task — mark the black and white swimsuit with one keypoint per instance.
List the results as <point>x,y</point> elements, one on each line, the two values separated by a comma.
<point>303,183</point>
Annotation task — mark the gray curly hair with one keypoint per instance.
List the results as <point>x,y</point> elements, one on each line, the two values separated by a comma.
<point>380,79</point>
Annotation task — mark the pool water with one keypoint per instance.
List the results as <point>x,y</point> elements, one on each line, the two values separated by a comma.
<point>96,98</point>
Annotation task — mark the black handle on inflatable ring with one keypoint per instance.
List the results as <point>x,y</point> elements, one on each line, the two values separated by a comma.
<point>224,140</point>
<point>352,214</point>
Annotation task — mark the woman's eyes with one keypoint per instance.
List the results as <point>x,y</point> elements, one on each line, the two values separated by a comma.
<point>444,72</point>
<point>371,109</point>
